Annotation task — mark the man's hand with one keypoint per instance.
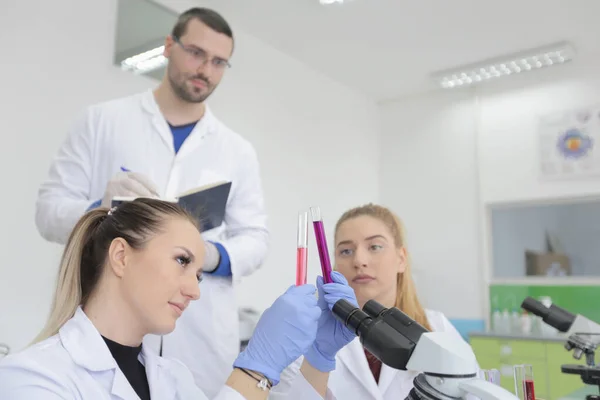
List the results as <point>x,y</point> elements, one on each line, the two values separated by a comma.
<point>128,184</point>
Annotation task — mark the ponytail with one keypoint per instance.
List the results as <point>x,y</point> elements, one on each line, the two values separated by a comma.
<point>68,295</point>
<point>406,296</point>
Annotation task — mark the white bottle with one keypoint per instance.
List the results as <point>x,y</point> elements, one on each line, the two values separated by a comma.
<point>505,321</point>
<point>545,329</point>
<point>496,321</point>
<point>526,323</point>
<point>515,322</point>
<point>546,300</point>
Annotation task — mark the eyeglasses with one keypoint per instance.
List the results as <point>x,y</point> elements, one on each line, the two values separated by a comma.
<point>199,56</point>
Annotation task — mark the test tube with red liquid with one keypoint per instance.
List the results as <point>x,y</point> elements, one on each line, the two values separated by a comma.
<point>302,249</point>
<point>321,244</point>
<point>524,388</point>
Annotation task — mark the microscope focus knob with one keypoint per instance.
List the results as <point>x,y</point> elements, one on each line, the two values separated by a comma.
<point>568,346</point>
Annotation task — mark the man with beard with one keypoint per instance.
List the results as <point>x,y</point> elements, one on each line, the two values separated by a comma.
<point>159,144</point>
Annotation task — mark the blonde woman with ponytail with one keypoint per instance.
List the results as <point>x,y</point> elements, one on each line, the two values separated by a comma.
<point>370,252</point>
<point>132,271</point>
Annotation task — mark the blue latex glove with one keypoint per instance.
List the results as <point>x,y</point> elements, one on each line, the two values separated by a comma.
<point>332,334</point>
<point>284,332</point>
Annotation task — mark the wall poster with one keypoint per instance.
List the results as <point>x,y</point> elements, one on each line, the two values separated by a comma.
<point>568,143</point>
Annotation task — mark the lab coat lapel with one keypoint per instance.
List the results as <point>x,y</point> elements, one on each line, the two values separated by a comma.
<point>386,377</point>
<point>159,123</point>
<point>390,375</point>
<point>162,383</point>
<point>353,357</point>
<point>122,388</point>
<point>87,349</point>
<point>206,126</point>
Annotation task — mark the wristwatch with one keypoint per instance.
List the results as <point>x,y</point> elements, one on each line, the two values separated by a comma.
<point>263,382</point>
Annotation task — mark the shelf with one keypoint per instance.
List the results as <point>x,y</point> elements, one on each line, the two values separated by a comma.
<point>544,281</point>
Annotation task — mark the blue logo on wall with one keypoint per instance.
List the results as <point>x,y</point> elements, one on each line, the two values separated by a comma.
<point>574,144</point>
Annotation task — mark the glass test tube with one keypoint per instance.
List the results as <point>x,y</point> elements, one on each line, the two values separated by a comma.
<point>302,249</point>
<point>524,382</point>
<point>492,375</point>
<point>321,244</point>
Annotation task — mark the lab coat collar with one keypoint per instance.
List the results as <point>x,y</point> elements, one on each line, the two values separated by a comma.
<point>354,358</point>
<point>208,125</point>
<point>86,347</point>
<point>149,105</point>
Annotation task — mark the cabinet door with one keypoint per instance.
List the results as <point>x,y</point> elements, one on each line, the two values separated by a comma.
<point>506,371</point>
<point>503,354</point>
<point>561,384</point>
<point>484,346</point>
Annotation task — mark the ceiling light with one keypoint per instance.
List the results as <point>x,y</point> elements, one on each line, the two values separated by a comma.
<point>331,1</point>
<point>530,60</point>
<point>146,61</point>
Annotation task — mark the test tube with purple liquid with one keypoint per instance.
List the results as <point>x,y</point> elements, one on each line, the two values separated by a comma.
<point>321,244</point>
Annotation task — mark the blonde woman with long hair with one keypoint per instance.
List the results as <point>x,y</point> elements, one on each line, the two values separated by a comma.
<point>371,254</point>
<point>131,271</point>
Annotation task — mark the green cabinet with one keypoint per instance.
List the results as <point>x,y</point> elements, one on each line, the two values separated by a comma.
<point>546,355</point>
<point>559,383</point>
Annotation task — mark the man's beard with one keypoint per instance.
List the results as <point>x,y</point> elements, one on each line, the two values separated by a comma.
<point>185,93</point>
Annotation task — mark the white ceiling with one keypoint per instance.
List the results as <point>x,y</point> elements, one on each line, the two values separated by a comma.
<point>389,48</point>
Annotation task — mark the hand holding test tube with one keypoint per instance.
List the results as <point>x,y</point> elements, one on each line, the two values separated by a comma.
<point>321,244</point>
<point>302,249</point>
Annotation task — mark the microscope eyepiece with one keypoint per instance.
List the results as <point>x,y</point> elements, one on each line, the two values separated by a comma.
<point>554,316</point>
<point>353,317</point>
<point>373,308</point>
<point>388,333</point>
<point>535,307</point>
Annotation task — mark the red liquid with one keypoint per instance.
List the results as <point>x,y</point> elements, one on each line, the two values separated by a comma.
<point>528,389</point>
<point>301,261</point>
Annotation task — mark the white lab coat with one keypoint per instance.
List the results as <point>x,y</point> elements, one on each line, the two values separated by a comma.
<point>131,132</point>
<point>76,364</point>
<point>352,379</point>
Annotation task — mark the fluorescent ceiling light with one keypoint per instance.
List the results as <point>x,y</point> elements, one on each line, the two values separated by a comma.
<point>331,1</point>
<point>146,61</point>
<point>530,60</point>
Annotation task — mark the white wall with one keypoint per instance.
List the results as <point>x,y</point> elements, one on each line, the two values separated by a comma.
<point>429,178</point>
<point>318,144</point>
<point>317,141</point>
<point>59,60</point>
<point>448,154</point>
<point>508,137</point>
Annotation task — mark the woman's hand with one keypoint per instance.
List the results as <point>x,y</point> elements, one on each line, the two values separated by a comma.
<point>332,335</point>
<point>285,331</point>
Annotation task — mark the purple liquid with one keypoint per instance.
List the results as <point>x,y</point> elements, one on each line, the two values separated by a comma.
<point>323,251</point>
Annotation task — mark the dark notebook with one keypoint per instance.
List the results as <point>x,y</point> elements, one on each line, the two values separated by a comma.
<point>207,203</point>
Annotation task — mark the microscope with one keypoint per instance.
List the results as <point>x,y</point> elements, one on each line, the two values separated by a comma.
<point>448,364</point>
<point>583,336</point>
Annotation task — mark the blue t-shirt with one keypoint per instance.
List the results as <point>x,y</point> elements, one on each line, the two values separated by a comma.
<point>180,133</point>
